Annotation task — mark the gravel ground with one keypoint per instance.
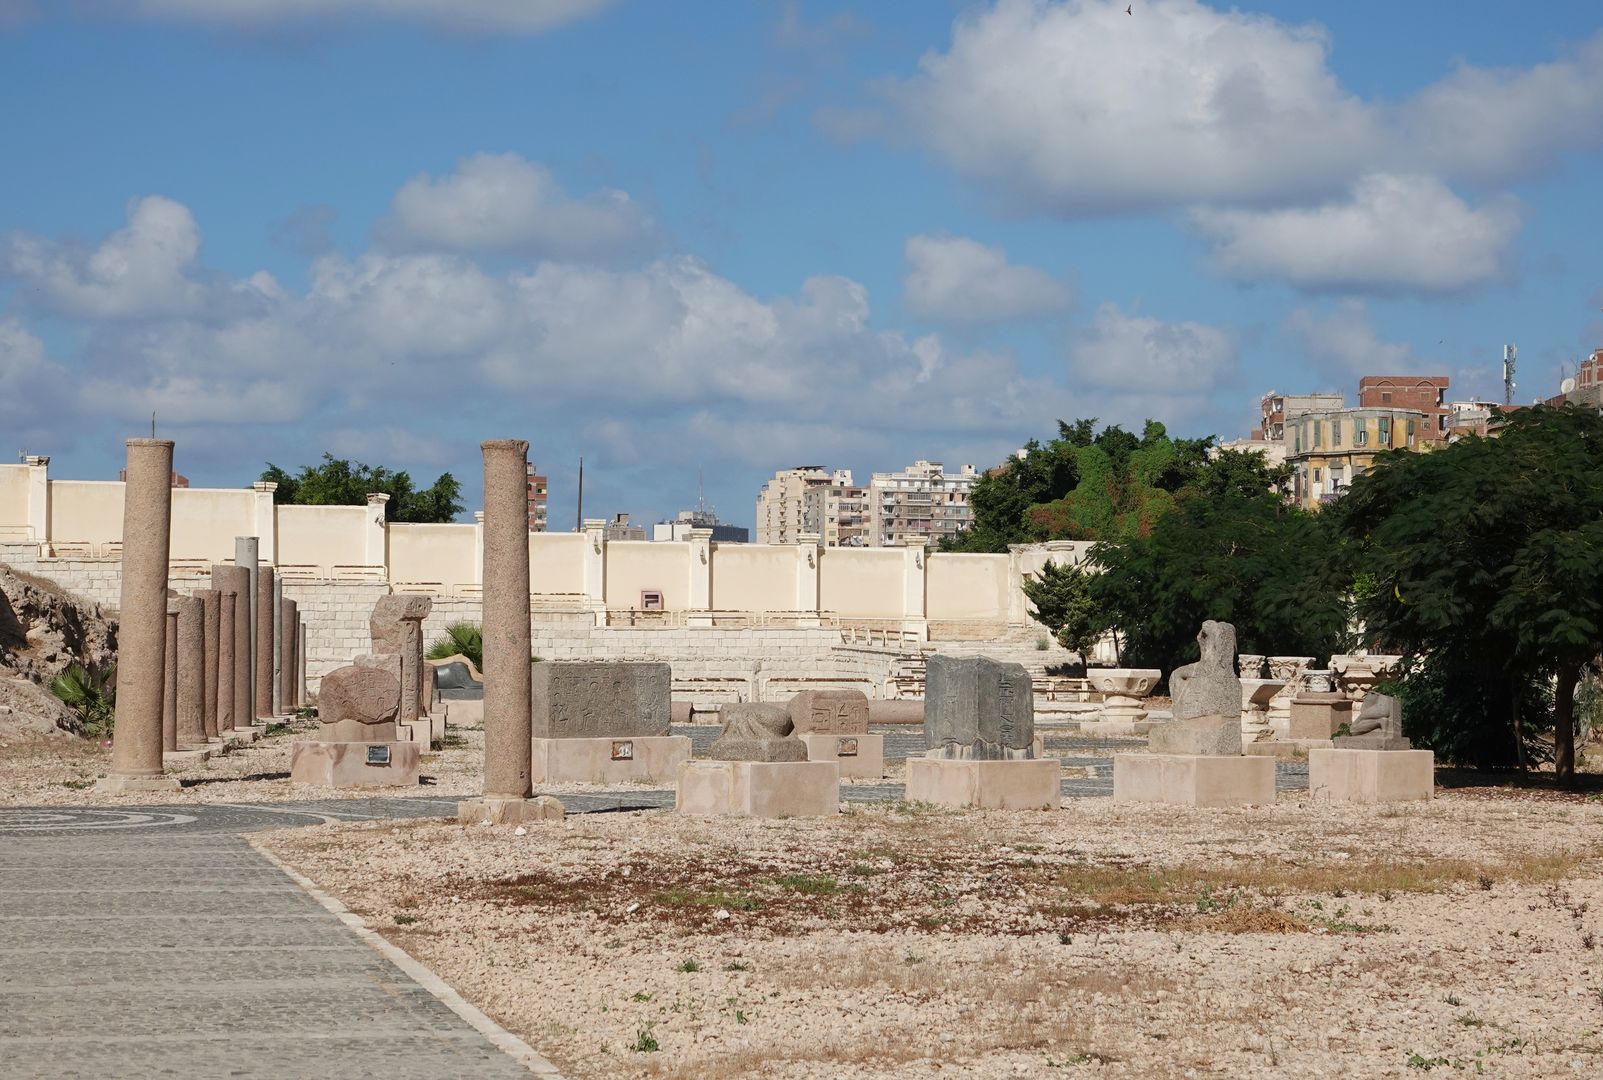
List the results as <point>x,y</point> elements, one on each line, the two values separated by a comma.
<point>1108,940</point>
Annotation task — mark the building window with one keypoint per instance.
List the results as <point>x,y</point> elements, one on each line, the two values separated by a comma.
<point>1335,433</point>
<point>1316,476</point>
<point>1385,431</point>
<point>1385,397</point>
<point>1317,426</point>
<point>1360,434</point>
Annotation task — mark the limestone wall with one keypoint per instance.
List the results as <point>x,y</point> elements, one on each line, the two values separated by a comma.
<point>442,555</point>
<point>754,577</point>
<point>319,538</point>
<point>14,503</point>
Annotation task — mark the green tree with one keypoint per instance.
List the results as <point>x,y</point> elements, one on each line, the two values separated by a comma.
<point>91,693</point>
<point>1488,555</point>
<point>338,482</point>
<point>1274,571</point>
<point>1063,603</point>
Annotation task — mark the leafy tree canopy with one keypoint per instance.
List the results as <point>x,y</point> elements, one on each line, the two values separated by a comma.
<point>1111,484</point>
<point>338,482</point>
<point>1487,555</point>
<point>1274,571</point>
<point>1063,604</point>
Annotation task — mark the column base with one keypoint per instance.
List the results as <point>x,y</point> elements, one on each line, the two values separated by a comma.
<point>188,755</point>
<point>124,785</point>
<point>861,757</point>
<point>1194,779</point>
<point>977,784</point>
<point>493,811</point>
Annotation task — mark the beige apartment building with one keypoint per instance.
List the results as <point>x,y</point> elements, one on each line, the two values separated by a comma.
<point>838,513</point>
<point>781,504</point>
<point>923,502</point>
<point>1328,450</point>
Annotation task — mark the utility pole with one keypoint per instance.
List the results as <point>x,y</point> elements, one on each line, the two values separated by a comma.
<point>578,525</point>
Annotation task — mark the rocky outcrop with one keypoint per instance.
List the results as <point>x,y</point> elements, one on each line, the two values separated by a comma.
<point>43,631</point>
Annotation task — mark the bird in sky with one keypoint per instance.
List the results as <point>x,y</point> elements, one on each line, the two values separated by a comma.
<point>1127,11</point>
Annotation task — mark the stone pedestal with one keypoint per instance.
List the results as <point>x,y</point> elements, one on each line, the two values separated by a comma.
<point>1371,776</point>
<point>770,789</point>
<point>353,764</point>
<point>493,811</point>
<point>1194,779</point>
<point>859,756</point>
<point>895,711</point>
<point>637,759</point>
<point>1286,748</point>
<point>1318,716</point>
<point>1021,784</point>
<point>1205,735</point>
<point>1117,729</point>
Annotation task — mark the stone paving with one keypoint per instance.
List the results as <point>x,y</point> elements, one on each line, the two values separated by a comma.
<point>155,941</point>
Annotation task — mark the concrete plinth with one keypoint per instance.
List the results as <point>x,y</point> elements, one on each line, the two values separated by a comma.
<point>1116,729</point>
<point>490,811</point>
<point>859,756</point>
<point>1286,748</point>
<point>124,785</point>
<point>188,756</point>
<point>770,789</point>
<point>634,760</point>
<point>1194,779</point>
<point>1018,784</point>
<point>1371,776</point>
<point>353,764</point>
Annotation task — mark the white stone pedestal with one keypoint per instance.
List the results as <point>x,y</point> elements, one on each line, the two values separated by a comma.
<point>859,756</point>
<point>758,788</point>
<point>1371,776</point>
<point>354,764</point>
<point>968,783</point>
<point>641,759</point>
<point>1194,779</point>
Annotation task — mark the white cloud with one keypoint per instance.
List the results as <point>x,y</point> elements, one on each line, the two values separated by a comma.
<point>32,388</point>
<point>1397,233</point>
<point>958,279</point>
<point>1141,355</point>
<point>393,334</point>
<point>512,16</point>
<point>1343,342</point>
<point>500,202</point>
<point>146,269</point>
<point>1071,107</point>
<point>1075,107</point>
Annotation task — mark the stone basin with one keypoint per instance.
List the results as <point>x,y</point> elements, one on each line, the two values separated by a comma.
<point>1124,682</point>
<point>1256,693</point>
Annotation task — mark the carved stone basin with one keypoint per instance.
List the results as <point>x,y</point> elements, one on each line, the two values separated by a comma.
<point>1256,693</point>
<point>1124,682</point>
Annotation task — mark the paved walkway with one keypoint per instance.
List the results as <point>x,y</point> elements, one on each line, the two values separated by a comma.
<point>156,942</point>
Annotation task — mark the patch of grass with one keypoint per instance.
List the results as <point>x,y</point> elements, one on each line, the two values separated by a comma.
<point>1469,1021</point>
<point>1425,1064</point>
<point>864,870</point>
<point>641,995</point>
<point>645,1042</point>
<point>278,728</point>
<point>679,898</point>
<point>77,785</point>
<point>737,965</point>
<point>405,920</point>
<point>689,967</point>
<point>809,884</point>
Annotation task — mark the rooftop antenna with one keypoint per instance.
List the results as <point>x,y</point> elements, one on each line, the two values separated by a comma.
<point>1509,353</point>
<point>579,525</point>
<point>701,491</point>
<point>152,423</point>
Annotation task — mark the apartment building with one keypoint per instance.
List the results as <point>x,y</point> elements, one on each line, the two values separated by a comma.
<point>922,502</point>
<point>1424,394</point>
<point>1329,449</point>
<point>679,528</point>
<point>781,504</point>
<point>1278,408</point>
<point>838,513</point>
<point>537,500</point>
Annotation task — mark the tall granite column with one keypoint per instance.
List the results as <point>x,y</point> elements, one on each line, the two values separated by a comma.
<point>169,683</point>
<point>225,657</point>
<point>210,600</point>
<point>508,678</point>
<point>244,633</point>
<point>247,552</point>
<point>279,704</point>
<point>142,633</point>
<point>287,618</point>
<point>266,631</point>
<point>191,673</point>
<point>300,671</point>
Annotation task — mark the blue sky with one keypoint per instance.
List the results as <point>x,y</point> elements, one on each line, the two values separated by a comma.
<point>742,236</point>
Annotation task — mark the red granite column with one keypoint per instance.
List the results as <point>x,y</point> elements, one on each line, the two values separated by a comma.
<point>191,721</point>
<point>142,612</point>
<point>265,629</point>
